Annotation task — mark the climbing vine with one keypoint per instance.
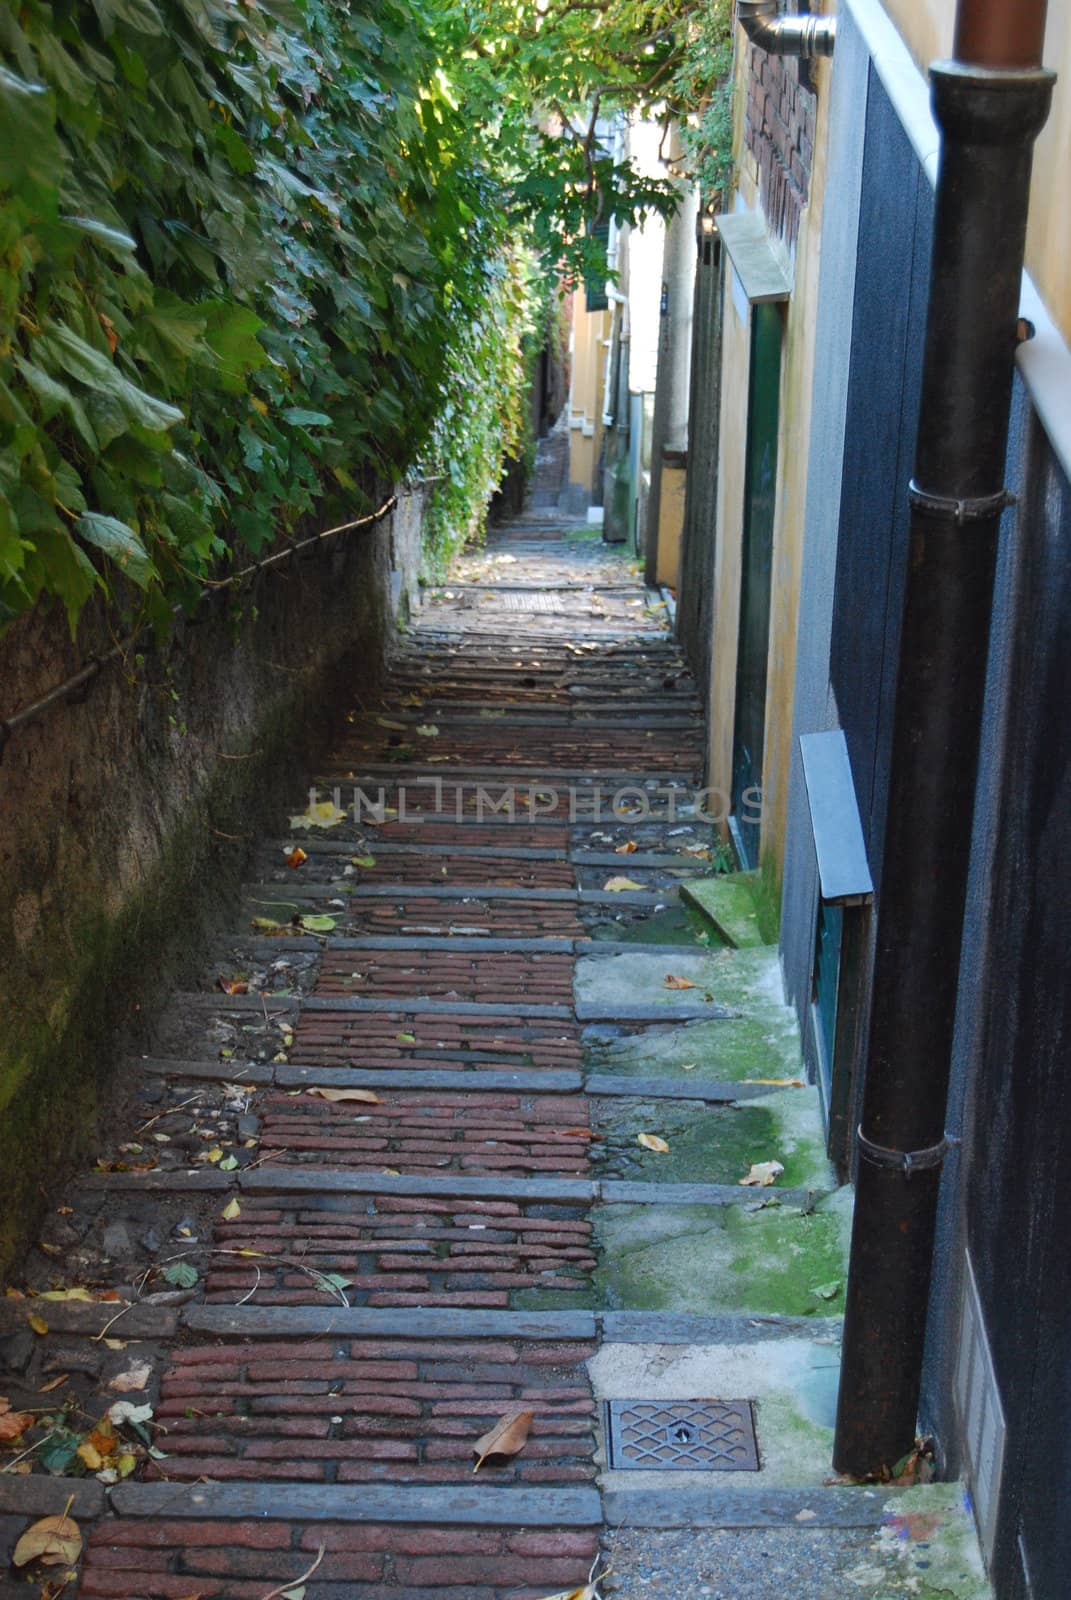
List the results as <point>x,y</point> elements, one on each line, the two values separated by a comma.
<point>232,261</point>
<point>253,260</point>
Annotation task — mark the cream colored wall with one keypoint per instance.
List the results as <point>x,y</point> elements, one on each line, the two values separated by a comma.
<point>797,380</point>
<point>926,27</point>
<point>797,374</point>
<point>671,524</point>
<point>732,441</point>
<point>590,332</point>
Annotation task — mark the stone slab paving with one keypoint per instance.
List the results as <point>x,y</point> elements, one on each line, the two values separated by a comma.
<point>381,1183</point>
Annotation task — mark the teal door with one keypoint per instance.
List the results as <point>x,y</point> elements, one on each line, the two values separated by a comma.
<point>760,498</point>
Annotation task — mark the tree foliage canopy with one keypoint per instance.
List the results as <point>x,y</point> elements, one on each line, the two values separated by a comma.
<point>245,250</point>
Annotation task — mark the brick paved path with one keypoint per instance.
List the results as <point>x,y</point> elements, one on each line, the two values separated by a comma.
<point>381,1278</point>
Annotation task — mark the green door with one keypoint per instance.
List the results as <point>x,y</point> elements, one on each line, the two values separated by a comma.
<point>760,497</point>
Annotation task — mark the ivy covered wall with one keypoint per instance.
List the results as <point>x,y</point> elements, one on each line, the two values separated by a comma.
<point>239,246</point>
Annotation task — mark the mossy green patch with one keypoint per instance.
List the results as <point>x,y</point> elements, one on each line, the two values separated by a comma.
<point>678,924</point>
<point>728,905</point>
<point>706,1144</point>
<point>712,1259</point>
<point>731,1050</point>
<point>929,1545</point>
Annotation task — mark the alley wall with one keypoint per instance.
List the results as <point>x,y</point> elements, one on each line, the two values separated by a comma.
<point>128,813</point>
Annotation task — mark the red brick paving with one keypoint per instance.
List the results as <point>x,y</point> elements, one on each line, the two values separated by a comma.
<point>404,1411</point>
<point>400,1251</point>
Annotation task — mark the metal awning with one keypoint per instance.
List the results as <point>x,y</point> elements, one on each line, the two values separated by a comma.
<point>843,868</point>
<point>744,238</point>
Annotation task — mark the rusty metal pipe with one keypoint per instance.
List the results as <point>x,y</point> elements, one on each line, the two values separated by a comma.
<point>803,36</point>
<point>994,33</point>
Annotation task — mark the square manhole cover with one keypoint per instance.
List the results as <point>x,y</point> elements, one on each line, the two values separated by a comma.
<point>682,1435</point>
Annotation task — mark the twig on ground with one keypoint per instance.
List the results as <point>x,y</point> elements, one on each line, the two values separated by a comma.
<point>284,1588</point>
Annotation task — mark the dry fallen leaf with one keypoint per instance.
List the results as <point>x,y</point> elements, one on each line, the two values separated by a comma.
<point>365,1096</point>
<point>52,1541</point>
<point>777,1083</point>
<point>321,814</point>
<point>297,857</point>
<point>651,1141</point>
<point>677,983</point>
<point>134,1378</point>
<point>620,885</point>
<point>588,1592</point>
<point>762,1175</point>
<point>54,1383</point>
<point>233,985</point>
<point>508,1437</point>
<point>12,1423</point>
<point>627,849</point>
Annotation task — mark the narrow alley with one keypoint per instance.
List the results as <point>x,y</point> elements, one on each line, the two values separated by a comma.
<point>453,1132</point>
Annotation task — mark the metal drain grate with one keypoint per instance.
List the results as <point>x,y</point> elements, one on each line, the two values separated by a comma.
<point>682,1435</point>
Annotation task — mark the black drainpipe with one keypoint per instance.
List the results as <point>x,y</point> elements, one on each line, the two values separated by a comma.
<point>990,102</point>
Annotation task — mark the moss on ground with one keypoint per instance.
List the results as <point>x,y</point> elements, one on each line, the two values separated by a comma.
<point>711,1144</point>
<point>777,1260</point>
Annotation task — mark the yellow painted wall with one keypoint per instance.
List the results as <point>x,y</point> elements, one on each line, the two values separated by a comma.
<point>671,524</point>
<point>590,332</point>
<point>733,435</point>
<point>797,374</point>
<point>926,27</point>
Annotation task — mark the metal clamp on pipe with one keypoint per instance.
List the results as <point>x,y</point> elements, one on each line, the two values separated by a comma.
<point>960,511</point>
<point>804,36</point>
<point>906,1161</point>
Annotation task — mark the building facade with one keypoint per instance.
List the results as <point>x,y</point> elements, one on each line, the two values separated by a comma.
<point>793,579</point>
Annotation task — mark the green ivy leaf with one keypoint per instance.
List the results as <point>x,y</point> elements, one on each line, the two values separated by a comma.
<point>119,543</point>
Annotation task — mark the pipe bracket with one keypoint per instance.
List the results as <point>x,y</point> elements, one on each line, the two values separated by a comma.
<point>906,1161</point>
<point>982,509</point>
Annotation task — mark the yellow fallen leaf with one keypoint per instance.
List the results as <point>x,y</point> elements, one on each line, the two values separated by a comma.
<point>125,1464</point>
<point>90,1456</point>
<point>231,1210</point>
<point>322,814</point>
<point>508,1437</point>
<point>588,1592</point>
<point>677,983</point>
<point>52,1541</point>
<point>38,1324</point>
<point>620,885</point>
<point>651,1141</point>
<point>365,1096</point>
<point>65,1294</point>
<point>215,1154</point>
<point>762,1175</point>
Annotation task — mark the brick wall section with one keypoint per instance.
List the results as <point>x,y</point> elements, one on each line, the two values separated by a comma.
<point>243,1561</point>
<point>489,1255</point>
<point>779,132</point>
<point>383,1040</point>
<point>450,975</point>
<point>375,1411</point>
<point>472,1134</point>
